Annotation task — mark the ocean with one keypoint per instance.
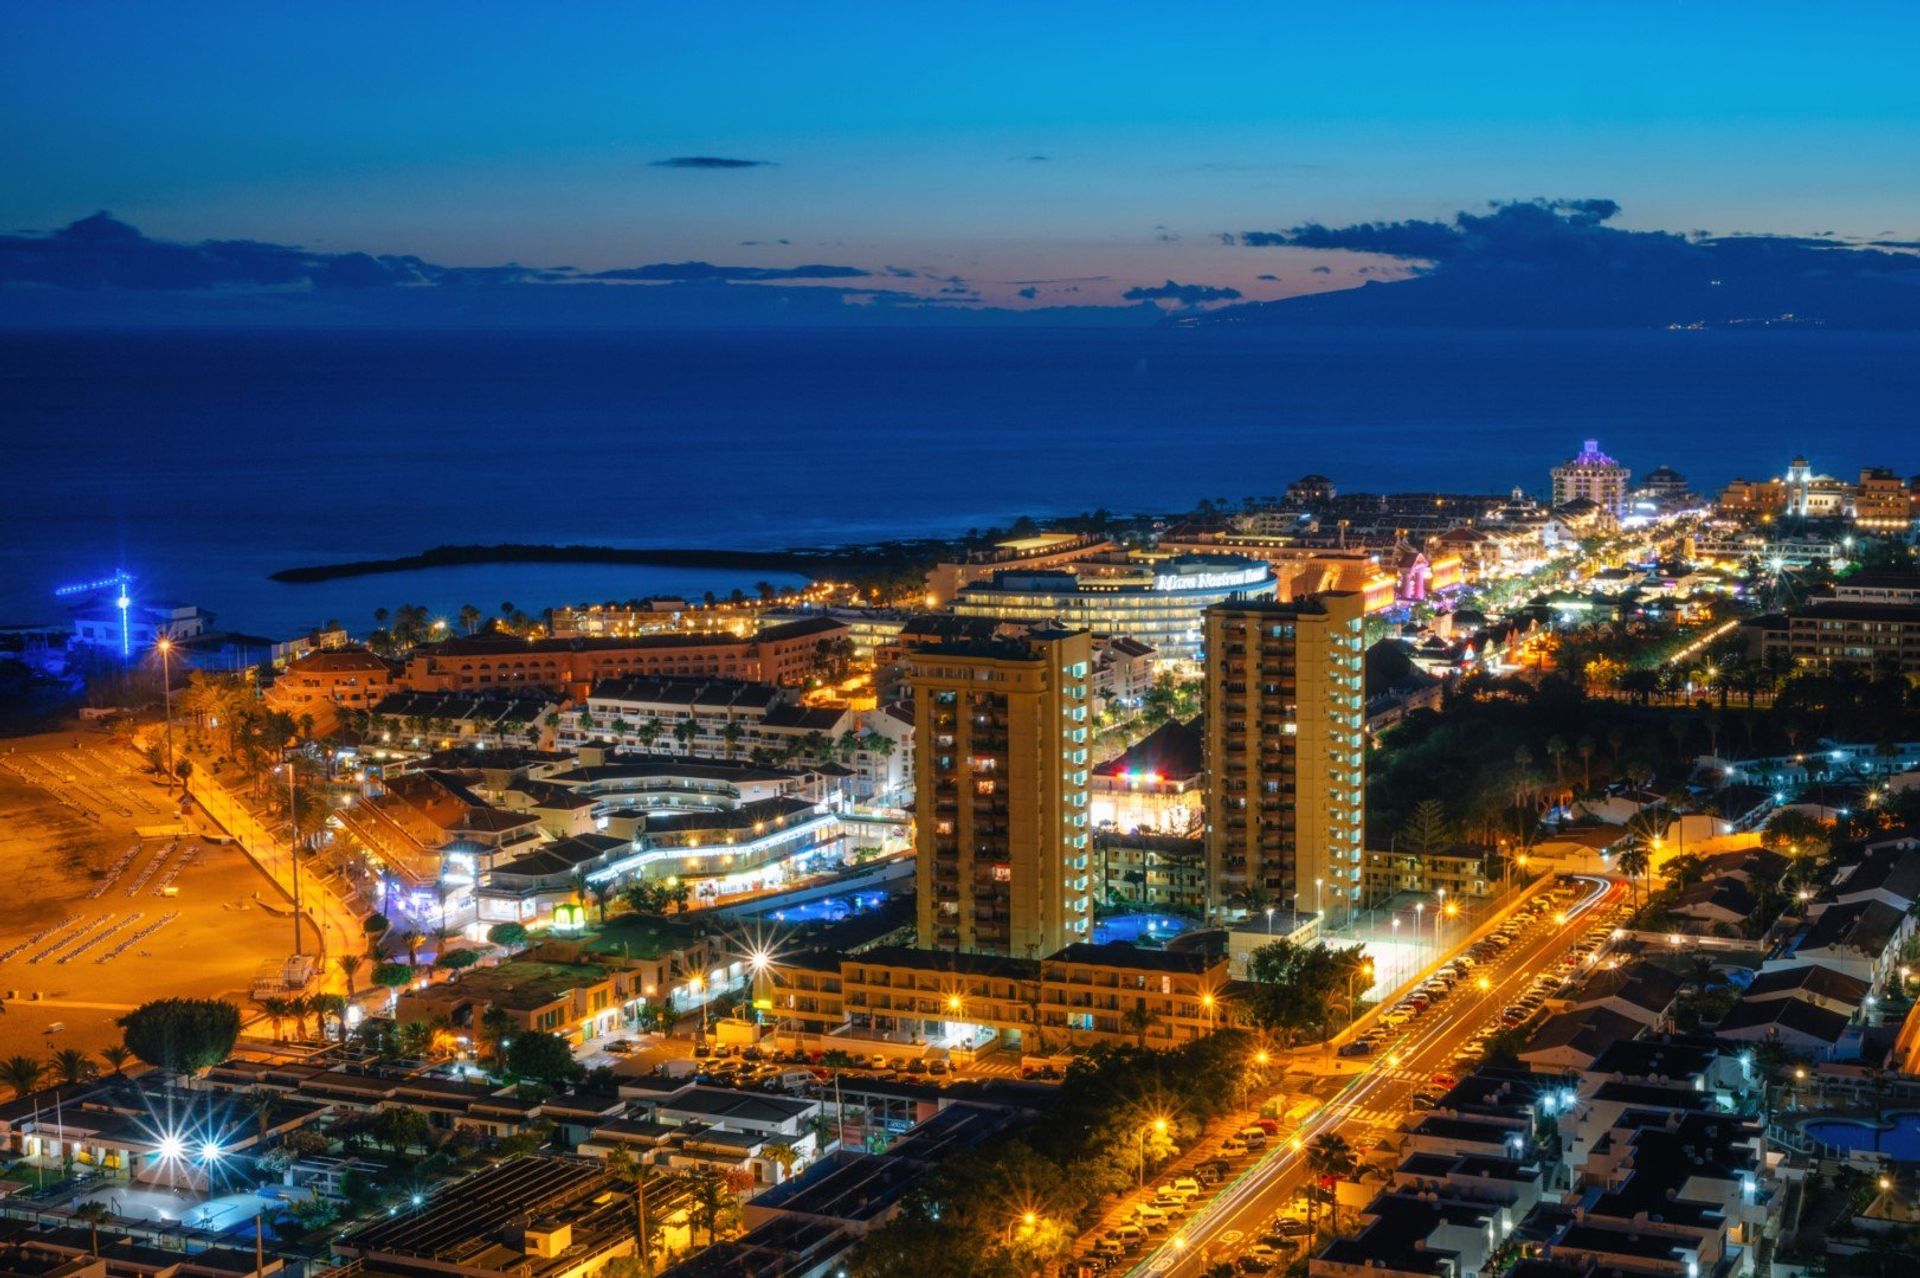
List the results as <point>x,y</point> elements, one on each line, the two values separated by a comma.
<point>201,461</point>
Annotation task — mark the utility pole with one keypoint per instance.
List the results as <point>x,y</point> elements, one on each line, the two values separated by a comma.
<point>293,853</point>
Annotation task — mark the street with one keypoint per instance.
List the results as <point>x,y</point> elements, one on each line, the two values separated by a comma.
<point>1377,1097</point>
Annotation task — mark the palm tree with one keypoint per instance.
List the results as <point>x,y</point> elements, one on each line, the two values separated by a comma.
<point>601,891</point>
<point>73,1065</point>
<point>684,732</point>
<point>1137,1020</point>
<point>1329,1158</point>
<point>1642,838</point>
<point>349,965</point>
<point>1634,861</point>
<point>260,1103</point>
<point>22,1073</point>
<point>277,1010</point>
<point>325,1005</point>
<point>730,737</point>
<point>1584,749</point>
<point>95,1214</point>
<point>116,1058</point>
<point>300,1007</point>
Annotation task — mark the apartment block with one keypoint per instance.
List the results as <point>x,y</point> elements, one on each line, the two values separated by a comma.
<point>1001,821</point>
<point>1285,716</point>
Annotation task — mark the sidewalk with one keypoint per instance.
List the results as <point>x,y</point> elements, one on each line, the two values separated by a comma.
<point>328,922</point>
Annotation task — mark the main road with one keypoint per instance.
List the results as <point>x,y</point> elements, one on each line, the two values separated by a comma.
<point>1378,1093</point>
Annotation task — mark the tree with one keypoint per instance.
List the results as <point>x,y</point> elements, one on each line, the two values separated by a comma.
<point>710,1198</point>
<point>393,976</point>
<point>22,1074</point>
<point>73,1065</point>
<point>116,1057</point>
<point>601,890</point>
<point>95,1214</point>
<point>1331,1160</point>
<point>182,1035</point>
<point>1634,861</point>
<point>375,927</point>
<point>400,1128</point>
<point>507,935</point>
<point>325,1005</point>
<point>1796,833</point>
<point>1427,829</point>
<point>456,960</point>
<point>349,965</point>
<point>541,1056</point>
<point>496,1026</point>
<point>1138,1020</point>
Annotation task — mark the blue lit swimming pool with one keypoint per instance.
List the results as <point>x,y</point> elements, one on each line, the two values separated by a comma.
<point>1899,1140</point>
<point>829,909</point>
<point>1134,928</point>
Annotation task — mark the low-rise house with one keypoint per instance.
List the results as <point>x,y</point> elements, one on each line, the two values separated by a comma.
<point>1821,986</point>
<point>1643,991</point>
<point>1416,1236</point>
<point>576,1001</point>
<point>1888,873</point>
<point>1573,1040</point>
<point>1860,939</point>
<point>1796,1024</point>
<point>1719,903</point>
<point>1511,1182</point>
<point>530,1217</point>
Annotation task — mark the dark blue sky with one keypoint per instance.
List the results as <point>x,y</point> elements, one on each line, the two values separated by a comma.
<point>1030,154</point>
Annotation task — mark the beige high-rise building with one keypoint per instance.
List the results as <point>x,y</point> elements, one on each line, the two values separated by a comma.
<point>1001,809</point>
<point>1594,476</point>
<point>1285,781</point>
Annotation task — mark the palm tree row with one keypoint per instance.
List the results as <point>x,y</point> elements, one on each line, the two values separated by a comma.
<point>27,1074</point>
<point>304,1007</point>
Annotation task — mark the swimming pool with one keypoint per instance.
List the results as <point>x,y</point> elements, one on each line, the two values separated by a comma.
<point>1899,1139</point>
<point>827,908</point>
<point>1134,928</point>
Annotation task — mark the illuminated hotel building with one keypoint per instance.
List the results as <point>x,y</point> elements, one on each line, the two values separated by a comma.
<point>1001,817</point>
<point>1592,476</point>
<point>1285,718</point>
<point>1158,600</point>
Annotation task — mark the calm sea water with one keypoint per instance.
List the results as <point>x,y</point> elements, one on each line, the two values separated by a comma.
<point>203,461</point>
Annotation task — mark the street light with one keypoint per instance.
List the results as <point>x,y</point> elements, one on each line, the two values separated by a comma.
<point>165,645</point>
<point>1159,1128</point>
<point>1269,920</point>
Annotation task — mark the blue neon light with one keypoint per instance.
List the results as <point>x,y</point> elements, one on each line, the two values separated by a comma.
<point>121,583</point>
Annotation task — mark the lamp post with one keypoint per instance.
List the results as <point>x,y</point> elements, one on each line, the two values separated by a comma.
<point>1159,1127</point>
<point>1269,920</point>
<point>293,853</point>
<point>166,690</point>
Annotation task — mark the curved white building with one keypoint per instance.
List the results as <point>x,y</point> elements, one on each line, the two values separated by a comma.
<point>1157,599</point>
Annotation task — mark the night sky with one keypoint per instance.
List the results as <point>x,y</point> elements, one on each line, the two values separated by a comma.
<point>1015,155</point>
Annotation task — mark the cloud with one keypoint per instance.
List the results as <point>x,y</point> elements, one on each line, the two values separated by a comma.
<point>1184,294</point>
<point>1270,277</point>
<point>1029,292</point>
<point>1323,270</point>
<point>1038,159</point>
<point>709,162</point>
<point>661,272</point>
<point>1559,262</point>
